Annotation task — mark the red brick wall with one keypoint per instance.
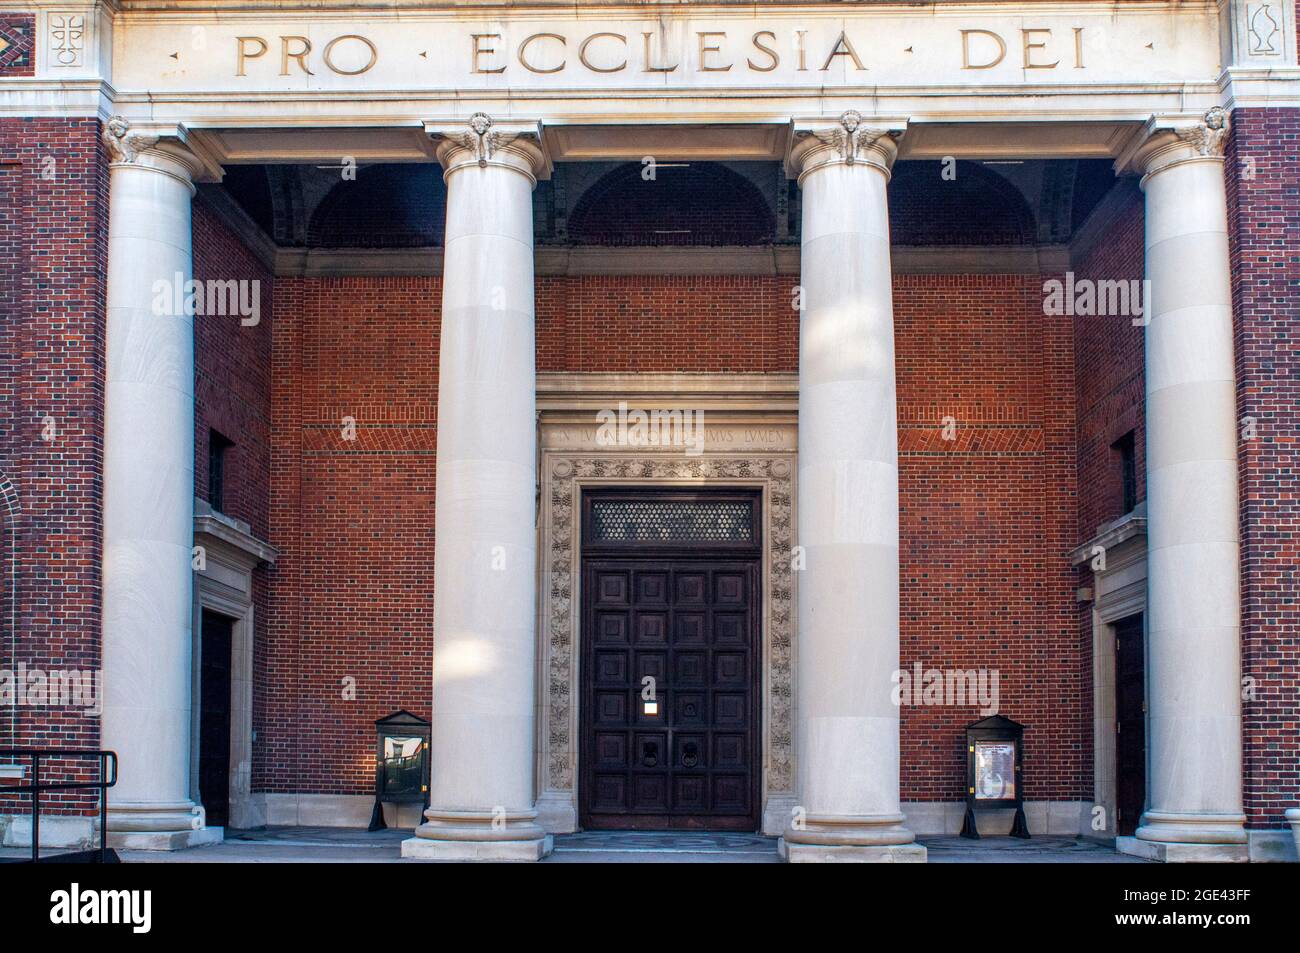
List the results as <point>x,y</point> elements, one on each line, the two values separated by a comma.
<point>53,236</point>
<point>987,519</point>
<point>350,634</point>
<point>644,324</point>
<point>232,376</point>
<point>1264,228</point>
<point>1111,379</point>
<point>1110,401</point>
<point>232,395</point>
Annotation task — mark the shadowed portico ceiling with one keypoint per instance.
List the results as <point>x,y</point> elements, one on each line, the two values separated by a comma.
<point>691,203</point>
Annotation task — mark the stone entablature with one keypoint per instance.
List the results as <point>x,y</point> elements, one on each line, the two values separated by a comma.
<point>229,65</point>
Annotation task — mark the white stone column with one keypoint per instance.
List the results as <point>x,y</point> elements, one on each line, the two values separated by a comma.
<point>149,490</point>
<point>848,745</point>
<point>484,677</point>
<point>1194,801</point>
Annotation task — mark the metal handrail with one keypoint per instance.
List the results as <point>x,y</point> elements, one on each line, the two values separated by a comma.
<point>36,788</point>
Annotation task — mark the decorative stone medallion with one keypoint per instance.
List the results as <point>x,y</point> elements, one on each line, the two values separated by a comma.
<point>67,39</point>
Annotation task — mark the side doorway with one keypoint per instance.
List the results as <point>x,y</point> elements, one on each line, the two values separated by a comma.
<point>1130,724</point>
<point>216,644</point>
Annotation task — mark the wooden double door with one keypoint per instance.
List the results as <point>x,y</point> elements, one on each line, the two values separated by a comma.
<point>670,706</point>
<point>1130,725</point>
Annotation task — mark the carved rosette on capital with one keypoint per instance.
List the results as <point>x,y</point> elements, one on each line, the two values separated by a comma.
<point>160,147</point>
<point>1166,141</point>
<point>849,140</point>
<point>483,142</point>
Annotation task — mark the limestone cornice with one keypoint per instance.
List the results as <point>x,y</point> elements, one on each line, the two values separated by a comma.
<point>1173,139</point>
<point>483,141</point>
<point>851,139</point>
<point>1112,536</point>
<point>480,7</point>
<point>163,147</point>
<point>233,536</point>
<point>1259,87</point>
<point>29,6</point>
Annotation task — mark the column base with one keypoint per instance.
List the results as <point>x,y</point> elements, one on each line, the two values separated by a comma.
<point>860,839</point>
<point>557,812</point>
<point>1167,853</point>
<point>821,854</point>
<point>1174,837</point>
<point>165,840</point>
<point>505,851</point>
<point>478,836</point>
<point>778,810</point>
<point>174,825</point>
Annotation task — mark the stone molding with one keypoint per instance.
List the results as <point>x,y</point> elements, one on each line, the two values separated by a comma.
<point>739,392</point>
<point>233,534</point>
<point>579,261</point>
<point>225,585</point>
<point>1127,527</point>
<point>565,474</point>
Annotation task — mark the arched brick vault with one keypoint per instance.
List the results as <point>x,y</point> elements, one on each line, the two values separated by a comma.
<point>972,206</point>
<point>685,204</point>
<point>699,203</point>
<point>386,206</point>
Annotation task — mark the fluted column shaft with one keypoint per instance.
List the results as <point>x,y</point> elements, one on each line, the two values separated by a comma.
<point>149,489</point>
<point>484,695</point>
<point>1194,615</point>
<point>848,725</point>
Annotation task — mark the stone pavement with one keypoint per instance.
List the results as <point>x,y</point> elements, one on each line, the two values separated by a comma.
<point>347,845</point>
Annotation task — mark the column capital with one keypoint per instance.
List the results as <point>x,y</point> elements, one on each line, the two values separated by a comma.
<point>1173,138</point>
<point>162,147</point>
<point>483,141</point>
<point>850,139</point>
